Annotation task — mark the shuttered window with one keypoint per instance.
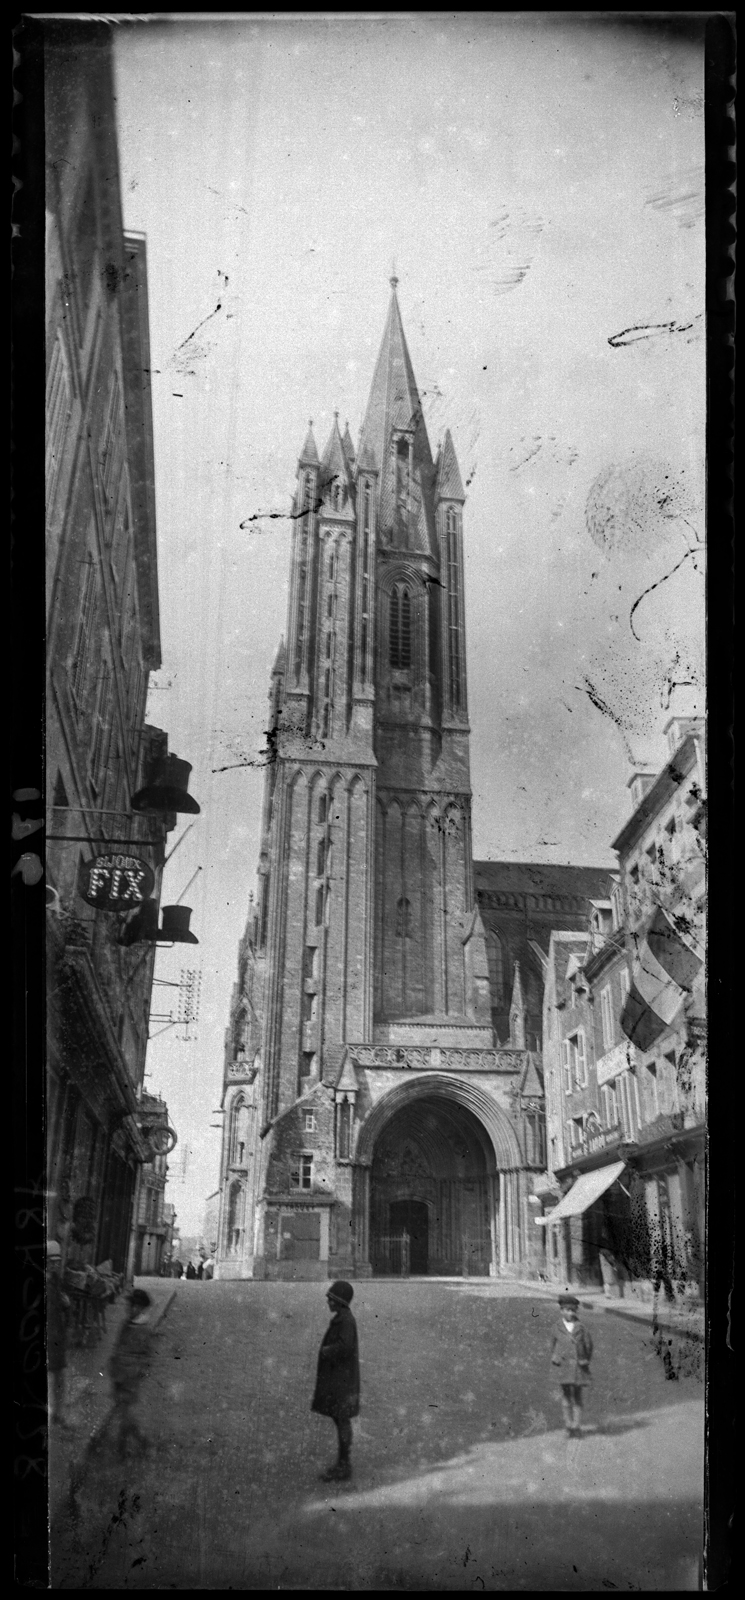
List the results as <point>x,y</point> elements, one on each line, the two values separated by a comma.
<point>58,412</point>
<point>83,633</point>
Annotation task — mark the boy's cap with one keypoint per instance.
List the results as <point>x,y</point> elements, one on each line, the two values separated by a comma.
<point>54,1250</point>
<point>139,1297</point>
<point>569,1300</point>
<point>341,1291</point>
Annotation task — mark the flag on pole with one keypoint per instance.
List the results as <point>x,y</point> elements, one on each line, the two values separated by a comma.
<point>663,973</point>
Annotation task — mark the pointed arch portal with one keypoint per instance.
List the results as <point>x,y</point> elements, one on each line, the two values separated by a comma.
<point>442,1158</point>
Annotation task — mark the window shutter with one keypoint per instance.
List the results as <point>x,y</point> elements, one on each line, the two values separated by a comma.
<point>567,1065</point>
<point>581,1064</point>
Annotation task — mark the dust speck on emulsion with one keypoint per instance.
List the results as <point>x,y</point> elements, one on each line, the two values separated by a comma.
<point>636,507</point>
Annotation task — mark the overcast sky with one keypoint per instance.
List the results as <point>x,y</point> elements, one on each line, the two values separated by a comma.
<point>539,184</point>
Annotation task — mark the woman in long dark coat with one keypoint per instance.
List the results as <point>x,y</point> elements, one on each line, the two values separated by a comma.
<point>571,1353</point>
<point>337,1391</point>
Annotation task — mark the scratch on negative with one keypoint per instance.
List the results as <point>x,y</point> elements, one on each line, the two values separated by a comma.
<point>199,325</point>
<point>647,330</point>
<point>280,516</point>
<point>601,705</point>
<point>656,586</point>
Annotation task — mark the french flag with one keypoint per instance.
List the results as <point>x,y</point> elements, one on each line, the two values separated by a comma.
<point>663,973</point>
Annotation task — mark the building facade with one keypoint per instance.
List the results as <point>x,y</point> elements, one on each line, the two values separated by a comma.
<point>154,1224</point>
<point>624,1052</point>
<point>373,1123</point>
<point>103,640</point>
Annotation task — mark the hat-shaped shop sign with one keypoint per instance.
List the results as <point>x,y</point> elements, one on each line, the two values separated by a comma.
<point>168,790</point>
<point>175,926</point>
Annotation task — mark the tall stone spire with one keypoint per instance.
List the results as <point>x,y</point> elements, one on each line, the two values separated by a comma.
<point>517,1012</point>
<point>335,467</point>
<point>309,454</point>
<point>448,485</point>
<point>395,434</point>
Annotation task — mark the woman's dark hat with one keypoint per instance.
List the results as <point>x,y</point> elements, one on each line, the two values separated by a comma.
<point>139,1297</point>
<point>341,1291</point>
<point>569,1300</point>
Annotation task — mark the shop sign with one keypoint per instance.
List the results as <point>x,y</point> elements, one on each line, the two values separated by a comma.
<point>619,1059</point>
<point>116,882</point>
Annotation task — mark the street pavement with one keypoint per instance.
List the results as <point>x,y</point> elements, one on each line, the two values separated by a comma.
<point>463,1477</point>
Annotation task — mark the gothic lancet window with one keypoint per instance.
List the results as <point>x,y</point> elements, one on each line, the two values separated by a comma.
<point>399,653</point>
<point>367,500</point>
<point>495,959</point>
<point>403,487</point>
<point>403,919</point>
<point>344,1129</point>
<point>454,651</point>
<point>320,858</point>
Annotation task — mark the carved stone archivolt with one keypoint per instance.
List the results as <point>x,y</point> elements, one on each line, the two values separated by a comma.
<point>403,1057</point>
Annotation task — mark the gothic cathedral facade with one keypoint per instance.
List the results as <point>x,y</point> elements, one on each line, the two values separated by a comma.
<point>373,1121</point>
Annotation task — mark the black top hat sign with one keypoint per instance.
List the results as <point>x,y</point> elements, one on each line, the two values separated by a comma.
<point>168,790</point>
<point>175,926</point>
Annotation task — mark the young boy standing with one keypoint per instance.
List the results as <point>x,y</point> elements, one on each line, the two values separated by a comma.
<point>337,1391</point>
<point>571,1353</point>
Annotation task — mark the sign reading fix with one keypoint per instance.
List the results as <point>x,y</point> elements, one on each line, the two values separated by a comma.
<point>116,882</point>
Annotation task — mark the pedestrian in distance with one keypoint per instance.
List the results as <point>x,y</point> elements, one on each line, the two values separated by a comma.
<point>200,1268</point>
<point>58,1309</point>
<point>127,1368</point>
<point>337,1391</point>
<point>571,1354</point>
<point>191,1270</point>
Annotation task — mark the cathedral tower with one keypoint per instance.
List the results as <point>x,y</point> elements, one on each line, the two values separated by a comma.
<point>367,936</point>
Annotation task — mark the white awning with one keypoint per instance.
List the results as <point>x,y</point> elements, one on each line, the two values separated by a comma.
<point>587,1189</point>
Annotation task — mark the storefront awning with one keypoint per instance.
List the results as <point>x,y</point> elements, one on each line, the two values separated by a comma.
<point>587,1189</point>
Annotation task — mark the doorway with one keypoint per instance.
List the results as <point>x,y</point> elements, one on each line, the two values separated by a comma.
<point>411,1217</point>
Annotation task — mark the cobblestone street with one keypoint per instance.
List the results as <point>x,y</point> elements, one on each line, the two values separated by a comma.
<point>463,1477</point>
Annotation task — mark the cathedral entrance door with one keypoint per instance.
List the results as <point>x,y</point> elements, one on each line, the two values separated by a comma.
<point>411,1217</point>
